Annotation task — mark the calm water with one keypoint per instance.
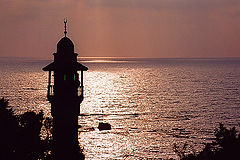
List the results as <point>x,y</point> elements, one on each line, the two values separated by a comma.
<point>151,105</point>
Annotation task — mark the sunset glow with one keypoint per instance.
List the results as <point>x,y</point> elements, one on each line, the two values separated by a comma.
<point>122,28</point>
<point>120,79</point>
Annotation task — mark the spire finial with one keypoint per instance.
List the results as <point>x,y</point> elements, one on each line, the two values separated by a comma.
<point>65,26</point>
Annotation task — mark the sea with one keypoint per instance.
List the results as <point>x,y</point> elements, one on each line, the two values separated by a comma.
<point>151,104</point>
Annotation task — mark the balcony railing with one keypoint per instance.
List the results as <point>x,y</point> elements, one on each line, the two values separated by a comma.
<point>80,91</point>
<point>50,92</point>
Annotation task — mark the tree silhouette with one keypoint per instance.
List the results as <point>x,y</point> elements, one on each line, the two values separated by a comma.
<point>225,146</point>
<point>20,135</point>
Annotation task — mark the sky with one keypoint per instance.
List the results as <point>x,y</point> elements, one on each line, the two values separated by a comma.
<point>121,28</point>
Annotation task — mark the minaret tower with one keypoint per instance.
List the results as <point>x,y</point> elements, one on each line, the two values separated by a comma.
<point>65,93</point>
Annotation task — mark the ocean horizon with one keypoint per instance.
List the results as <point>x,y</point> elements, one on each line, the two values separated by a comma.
<point>151,103</point>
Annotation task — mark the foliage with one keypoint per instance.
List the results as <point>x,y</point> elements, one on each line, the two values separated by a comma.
<point>20,136</point>
<point>183,151</point>
<point>225,146</point>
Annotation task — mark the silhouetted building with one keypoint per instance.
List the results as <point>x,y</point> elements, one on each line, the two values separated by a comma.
<point>65,93</point>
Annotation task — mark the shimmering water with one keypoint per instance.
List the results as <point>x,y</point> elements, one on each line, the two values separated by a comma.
<point>151,104</point>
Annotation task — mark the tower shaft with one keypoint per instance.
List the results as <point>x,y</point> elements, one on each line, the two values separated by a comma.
<point>65,93</point>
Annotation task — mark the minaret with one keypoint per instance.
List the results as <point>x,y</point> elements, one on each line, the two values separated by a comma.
<point>65,93</point>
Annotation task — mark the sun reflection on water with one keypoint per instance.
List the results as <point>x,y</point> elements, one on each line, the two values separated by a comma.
<point>150,106</point>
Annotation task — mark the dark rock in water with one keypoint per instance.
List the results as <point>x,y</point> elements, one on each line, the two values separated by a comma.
<point>104,126</point>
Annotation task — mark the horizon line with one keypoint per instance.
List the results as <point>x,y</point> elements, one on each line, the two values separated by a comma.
<point>111,57</point>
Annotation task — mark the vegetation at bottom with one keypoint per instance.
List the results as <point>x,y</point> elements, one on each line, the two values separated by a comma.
<point>25,137</point>
<point>29,137</point>
<point>226,146</point>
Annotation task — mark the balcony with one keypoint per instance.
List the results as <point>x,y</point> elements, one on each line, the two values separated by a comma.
<point>50,92</point>
<point>80,91</point>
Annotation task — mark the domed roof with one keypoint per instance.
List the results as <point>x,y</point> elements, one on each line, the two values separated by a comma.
<point>65,45</point>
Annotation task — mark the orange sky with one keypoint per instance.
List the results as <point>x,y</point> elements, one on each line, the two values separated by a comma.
<point>122,28</point>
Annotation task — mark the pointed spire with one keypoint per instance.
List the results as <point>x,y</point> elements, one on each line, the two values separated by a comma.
<point>65,27</point>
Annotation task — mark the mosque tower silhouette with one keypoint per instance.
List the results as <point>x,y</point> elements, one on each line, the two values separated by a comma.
<point>65,93</point>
